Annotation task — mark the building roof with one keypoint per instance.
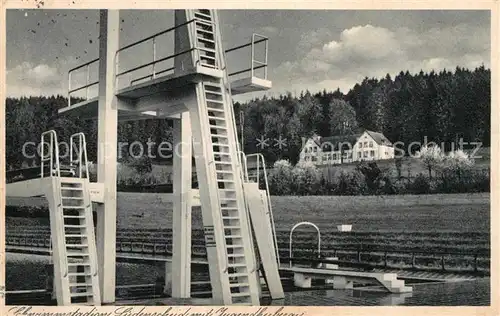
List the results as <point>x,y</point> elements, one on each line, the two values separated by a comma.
<point>379,138</point>
<point>333,143</point>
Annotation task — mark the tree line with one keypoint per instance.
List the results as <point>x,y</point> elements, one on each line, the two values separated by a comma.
<point>442,107</point>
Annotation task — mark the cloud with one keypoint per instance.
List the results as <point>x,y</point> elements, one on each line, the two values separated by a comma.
<point>269,30</point>
<point>28,79</point>
<point>361,51</point>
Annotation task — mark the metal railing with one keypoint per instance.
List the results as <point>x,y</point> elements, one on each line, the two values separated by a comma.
<point>87,83</point>
<point>156,61</point>
<point>81,152</point>
<point>52,156</point>
<point>161,249</point>
<point>291,235</point>
<point>255,64</point>
<point>260,158</point>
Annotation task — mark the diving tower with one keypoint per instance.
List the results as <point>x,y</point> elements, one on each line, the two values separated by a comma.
<point>195,90</point>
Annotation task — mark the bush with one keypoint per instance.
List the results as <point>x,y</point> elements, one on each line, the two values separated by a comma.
<point>142,165</point>
<point>306,179</point>
<point>280,178</point>
<point>350,183</point>
<point>371,173</point>
<point>419,185</point>
<point>464,182</point>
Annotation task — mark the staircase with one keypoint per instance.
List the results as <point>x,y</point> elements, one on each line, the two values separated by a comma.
<point>392,284</point>
<point>205,38</point>
<point>79,238</point>
<point>240,275</point>
<point>72,229</point>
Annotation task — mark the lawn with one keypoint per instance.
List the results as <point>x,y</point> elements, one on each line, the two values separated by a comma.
<point>438,212</point>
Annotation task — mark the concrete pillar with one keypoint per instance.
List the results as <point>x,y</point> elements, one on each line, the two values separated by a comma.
<point>2,168</point>
<point>107,147</point>
<point>181,223</point>
<point>168,278</point>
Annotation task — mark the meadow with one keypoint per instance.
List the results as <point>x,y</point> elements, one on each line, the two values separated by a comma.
<point>435,212</point>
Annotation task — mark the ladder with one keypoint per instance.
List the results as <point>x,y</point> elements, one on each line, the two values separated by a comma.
<point>72,230</point>
<point>240,275</point>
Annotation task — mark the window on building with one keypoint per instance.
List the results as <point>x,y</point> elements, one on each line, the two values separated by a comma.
<point>372,153</point>
<point>314,158</point>
<point>360,145</point>
<point>365,154</point>
<point>315,149</point>
<point>359,155</point>
<point>371,144</point>
<point>365,144</point>
<point>386,153</point>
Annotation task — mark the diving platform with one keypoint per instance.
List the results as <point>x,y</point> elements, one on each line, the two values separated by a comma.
<point>164,93</point>
<point>39,186</point>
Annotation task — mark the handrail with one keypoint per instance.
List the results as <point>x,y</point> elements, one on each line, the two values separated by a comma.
<point>155,61</point>
<point>151,63</point>
<point>273,227</point>
<point>245,70</point>
<point>82,151</point>
<point>53,145</point>
<point>155,35</point>
<point>256,38</point>
<point>291,233</point>
<point>244,165</point>
<point>87,85</point>
<point>255,64</point>
<point>151,75</point>
<point>9,242</point>
<point>246,45</point>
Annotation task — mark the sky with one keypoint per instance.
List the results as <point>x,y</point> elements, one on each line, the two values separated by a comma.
<point>314,50</point>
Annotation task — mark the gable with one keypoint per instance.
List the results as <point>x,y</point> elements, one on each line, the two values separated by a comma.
<point>310,143</point>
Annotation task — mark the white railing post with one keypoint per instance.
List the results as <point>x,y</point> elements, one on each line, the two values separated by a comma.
<point>253,54</point>
<point>69,88</point>
<point>291,233</point>
<point>87,84</point>
<point>266,49</point>
<point>154,56</point>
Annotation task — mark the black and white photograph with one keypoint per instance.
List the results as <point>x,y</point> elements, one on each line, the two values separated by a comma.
<point>255,157</point>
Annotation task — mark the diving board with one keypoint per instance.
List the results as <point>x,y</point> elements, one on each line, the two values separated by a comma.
<point>343,279</point>
<point>39,187</point>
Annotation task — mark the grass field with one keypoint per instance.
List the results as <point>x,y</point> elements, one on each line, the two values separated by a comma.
<point>437,212</point>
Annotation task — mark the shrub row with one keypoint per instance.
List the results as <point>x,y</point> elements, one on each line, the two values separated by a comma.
<point>367,179</point>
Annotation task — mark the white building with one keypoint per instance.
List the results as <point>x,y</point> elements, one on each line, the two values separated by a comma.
<point>367,146</point>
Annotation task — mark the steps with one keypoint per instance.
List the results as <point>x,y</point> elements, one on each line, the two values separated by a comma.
<point>79,240</point>
<point>392,284</point>
<point>205,38</point>
<point>238,273</point>
<point>72,227</point>
<point>239,261</point>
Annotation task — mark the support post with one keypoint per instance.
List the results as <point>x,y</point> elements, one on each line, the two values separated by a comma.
<point>181,223</point>
<point>107,146</point>
<point>2,168</point>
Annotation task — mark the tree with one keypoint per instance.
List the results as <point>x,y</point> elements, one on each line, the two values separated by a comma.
<point>457,161</point>
<point>432,157</point>
<point>342,118</point>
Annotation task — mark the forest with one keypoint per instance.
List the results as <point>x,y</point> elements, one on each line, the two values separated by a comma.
<point>442,106</point>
